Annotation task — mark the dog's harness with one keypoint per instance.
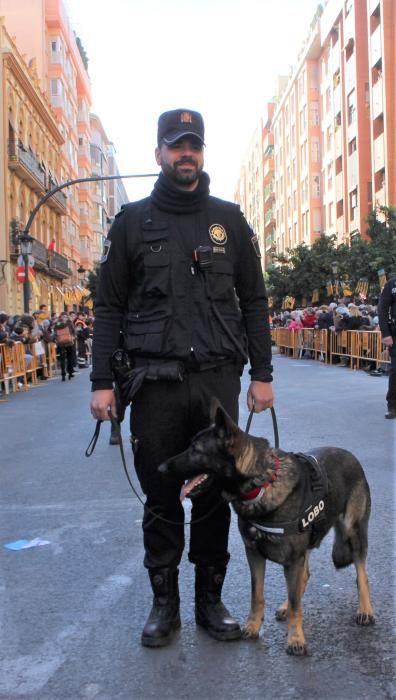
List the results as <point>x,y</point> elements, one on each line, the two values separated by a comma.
<point>314,510</point>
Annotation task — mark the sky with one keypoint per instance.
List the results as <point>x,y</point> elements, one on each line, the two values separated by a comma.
<point>219,57</point>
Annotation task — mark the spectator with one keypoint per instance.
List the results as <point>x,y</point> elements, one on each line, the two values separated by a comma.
<point>325,318</point>
<point>65,343</point>
<point>296,322</point>
<point>308,318</point>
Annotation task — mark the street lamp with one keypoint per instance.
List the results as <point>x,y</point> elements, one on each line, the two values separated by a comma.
<point>25,246</point>
<point>334,270</point>
<point>25,238</point>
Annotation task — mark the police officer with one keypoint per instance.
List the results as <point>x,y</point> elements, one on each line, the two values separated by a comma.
<point>387,323</point>
<point>181,275</point>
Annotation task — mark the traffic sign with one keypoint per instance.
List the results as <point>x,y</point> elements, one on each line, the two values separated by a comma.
<point>20,274</point>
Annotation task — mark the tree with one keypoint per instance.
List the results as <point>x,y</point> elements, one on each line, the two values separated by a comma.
<point>302,270</point>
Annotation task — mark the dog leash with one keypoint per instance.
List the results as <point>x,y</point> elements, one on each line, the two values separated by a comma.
<point>274,425</point>
<point>156,516</point>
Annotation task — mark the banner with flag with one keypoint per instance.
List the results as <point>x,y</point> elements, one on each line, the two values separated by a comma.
<point>315,296</point>
<point>329,289</point>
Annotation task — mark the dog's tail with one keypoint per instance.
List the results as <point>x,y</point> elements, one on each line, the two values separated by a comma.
<point>342,554</point>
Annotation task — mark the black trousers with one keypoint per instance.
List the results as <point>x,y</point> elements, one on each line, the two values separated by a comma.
<point>164,417</point>
<point>66,354</point>
<point>391,393</point>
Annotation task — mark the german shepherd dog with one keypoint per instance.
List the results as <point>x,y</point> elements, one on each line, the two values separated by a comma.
<point>268,490</point>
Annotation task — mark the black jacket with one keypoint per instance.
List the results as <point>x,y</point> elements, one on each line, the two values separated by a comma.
<point>151,288</point>
<point>387,308</point>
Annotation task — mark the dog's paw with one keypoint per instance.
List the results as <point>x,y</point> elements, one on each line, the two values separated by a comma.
<point>297,649</point>
<point>364,619</point>
<point>281,614</point>
<point>250,631</point>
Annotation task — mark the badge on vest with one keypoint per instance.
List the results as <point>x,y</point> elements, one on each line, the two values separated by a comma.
<point>106,251</point>
<point>218,234</point>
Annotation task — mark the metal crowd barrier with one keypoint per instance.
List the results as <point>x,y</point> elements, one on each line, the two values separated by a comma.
<point>356,347</point>
<point>14,370</point>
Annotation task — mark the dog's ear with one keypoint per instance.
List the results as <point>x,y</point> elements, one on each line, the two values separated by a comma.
<point>223,423</point>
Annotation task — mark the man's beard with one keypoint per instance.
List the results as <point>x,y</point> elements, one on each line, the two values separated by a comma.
<point>182,178</point>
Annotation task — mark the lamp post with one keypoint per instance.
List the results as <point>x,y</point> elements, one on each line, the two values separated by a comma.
<point>334,270</point>
<point>24,238</point>
<point>25,245</point>
<point>81,271</point>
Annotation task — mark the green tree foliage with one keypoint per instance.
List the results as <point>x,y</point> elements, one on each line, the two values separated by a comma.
<point>302,270</point>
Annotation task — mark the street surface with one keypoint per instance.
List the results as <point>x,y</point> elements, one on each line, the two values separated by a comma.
<point>72,610</point>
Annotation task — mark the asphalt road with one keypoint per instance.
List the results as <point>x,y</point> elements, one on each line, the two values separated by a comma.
<point>72,610</point>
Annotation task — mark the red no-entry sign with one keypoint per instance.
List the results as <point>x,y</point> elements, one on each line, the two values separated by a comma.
<point>20,274</point>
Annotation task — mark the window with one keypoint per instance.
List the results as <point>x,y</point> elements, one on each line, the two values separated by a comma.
<point>316,185</point>
<point>328,100</point>
<point>314,114</point>
<point>315,149</point>
<point>331,214</point>
<point>351,107</point>
<point>329,138</point>
<point>56,87</point>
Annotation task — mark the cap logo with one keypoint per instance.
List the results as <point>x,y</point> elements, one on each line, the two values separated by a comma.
<point>186,118</point>
<point>218,234</point>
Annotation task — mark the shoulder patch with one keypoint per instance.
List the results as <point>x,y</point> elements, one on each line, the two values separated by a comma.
<point>106,251</point>
<point>121,212</point>
<point>256,245</point>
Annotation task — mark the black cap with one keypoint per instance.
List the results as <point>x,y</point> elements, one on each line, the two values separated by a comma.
<point>177,123</point>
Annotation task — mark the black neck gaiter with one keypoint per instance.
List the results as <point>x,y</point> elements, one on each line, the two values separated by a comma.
<point>167,197</point>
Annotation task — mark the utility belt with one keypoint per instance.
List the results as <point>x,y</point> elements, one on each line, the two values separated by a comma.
<point>129,373</point>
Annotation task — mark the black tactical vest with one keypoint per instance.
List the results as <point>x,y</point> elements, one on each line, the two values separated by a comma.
<point>170,298</point>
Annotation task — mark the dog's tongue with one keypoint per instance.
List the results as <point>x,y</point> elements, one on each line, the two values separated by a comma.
<point>190,485</point>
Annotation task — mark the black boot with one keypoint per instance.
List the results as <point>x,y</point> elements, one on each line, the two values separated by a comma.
<point>164,617</point>
<point>210,612</point>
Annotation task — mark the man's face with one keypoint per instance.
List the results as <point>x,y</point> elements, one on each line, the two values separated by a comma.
<point>182,161</point>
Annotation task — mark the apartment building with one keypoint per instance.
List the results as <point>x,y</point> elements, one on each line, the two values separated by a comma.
<point>31,146</point>
<point>117,194</point>
<point>333,129</point>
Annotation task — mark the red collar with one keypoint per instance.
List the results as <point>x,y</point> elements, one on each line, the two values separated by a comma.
<point>255,493</point>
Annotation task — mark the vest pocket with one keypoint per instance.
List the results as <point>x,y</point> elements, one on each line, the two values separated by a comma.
<point>146,332</point>
<point>156,274</point>
<point>221,279</point>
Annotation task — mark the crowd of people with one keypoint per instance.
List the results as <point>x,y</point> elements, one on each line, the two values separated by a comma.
<point>70,331</point>
<point>340,316</point>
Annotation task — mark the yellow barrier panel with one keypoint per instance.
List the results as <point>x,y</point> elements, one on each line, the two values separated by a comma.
<point>356,347</point>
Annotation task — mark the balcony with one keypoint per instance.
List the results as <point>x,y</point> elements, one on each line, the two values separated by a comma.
<point>352,171</point>
<point>58,266</point>
<point>40,254</point>
<point>57,201</point>
<point>269,151</point>
<point>269,242</point>
<point>373,4</point>
<point>349,28</point>
<point>379,155</point>
<point>268,191</point>
<point>337,143</point>
<point>269,218</point>
<point>339,187</point>
<point>337,100</point>
<point>376,49</point>
<point>380,197</point>
<point>26,166</point>
<point>378,99</point>
<point>350,74</point>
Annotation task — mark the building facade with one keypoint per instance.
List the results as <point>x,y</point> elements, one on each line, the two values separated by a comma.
<point>332,129</point>
<point>53,59</point>
<point>31,146</point>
